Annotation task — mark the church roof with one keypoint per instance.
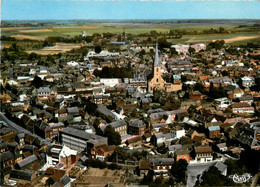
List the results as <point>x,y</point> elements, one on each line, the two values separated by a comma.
<point>157,62</point>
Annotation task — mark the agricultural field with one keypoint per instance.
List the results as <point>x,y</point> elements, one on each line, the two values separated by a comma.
<point>90,29</point>
<point>235,35</point>
<point>58,48</point>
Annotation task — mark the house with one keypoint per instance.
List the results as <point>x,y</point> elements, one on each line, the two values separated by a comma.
<point>61,154</point>
<point>135,141</point>
<point>161,166</point>
<point>246,99</point>
<point>102,152</point>
<point>214,131</point>
<point>241,108</point>
<point>22,175</point>
<point>105,113</point>
<point>203,154</point>
<point>183,154</point>
<point>173,148</point>
<point>222,103</point>
<point>110,82</point>
<point>222,146</point>
<point>248,81</point>
<point>119,126</point>
<point>48,131</point>
<point>158,139</point>
<point>26,162</point>
<point>74,111</point>
<point>44,92</point>
<point>147,137</point>
<point>197,96</point>
<point>238,93</point>
<point>139,81</point>
<point>178,132</point>
<point>136,127</point>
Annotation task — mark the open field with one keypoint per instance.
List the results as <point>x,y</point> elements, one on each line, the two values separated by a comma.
<point>21,37</point>
<point>40,33</point>
<point>241,38</point>
<point>58,48</point>
<point>101,177</point>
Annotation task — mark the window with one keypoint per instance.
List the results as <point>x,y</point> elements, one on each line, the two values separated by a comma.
<point>156,80</point>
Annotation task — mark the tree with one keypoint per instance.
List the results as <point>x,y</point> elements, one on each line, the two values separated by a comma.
<point>37,82</point>
<point>118,154</point>
<point>148,178</point>
<point>154,33</point>
<point>178,170</point>
<point>90,107</point>
<point>113,137</point>
<point>213,177</point>
<point>191,50</point>
<point>98,49</point>
<point>173,51</point>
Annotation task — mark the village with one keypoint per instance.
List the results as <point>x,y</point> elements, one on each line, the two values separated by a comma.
<point>132,111</point>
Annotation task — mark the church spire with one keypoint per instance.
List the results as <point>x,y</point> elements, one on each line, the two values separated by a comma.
<point>157,62</point>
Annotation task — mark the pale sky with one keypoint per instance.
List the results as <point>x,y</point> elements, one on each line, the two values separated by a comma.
<point>129,9</point>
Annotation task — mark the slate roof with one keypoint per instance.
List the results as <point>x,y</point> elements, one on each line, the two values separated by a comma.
<point>27,161</point>
<point>137,123</point>
<point>162,161</point>
<point>221,167</point>
<point>80,134</point>
<point>43,89</point>
<point>20,174</point>
<point>6,156</point>
<point>174,147</point>
<point>118,123</point>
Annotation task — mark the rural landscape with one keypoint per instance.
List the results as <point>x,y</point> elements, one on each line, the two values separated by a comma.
<point>129,102</point>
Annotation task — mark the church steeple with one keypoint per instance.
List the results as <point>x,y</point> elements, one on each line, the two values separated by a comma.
<point>157,62</point>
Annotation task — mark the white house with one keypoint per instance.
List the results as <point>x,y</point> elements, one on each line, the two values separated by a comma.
<point>248,81</point>
<point>110,82</point>
<point>222,102</point>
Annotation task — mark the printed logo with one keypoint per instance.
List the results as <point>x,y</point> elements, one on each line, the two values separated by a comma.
<point>240,178</point>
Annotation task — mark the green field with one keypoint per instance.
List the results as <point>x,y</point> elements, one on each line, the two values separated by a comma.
<point>69,31</point>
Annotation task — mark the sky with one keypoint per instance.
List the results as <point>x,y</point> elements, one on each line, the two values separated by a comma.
<point>129,9</point>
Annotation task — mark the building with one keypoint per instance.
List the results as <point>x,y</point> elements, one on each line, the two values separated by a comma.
<point>79,140</point>
<point>183,154</point>
<point>44,92</point>
<point>139,82</point>
<point>61,154</point>
<point>157,82</point>
<point>222,103</point>
<point>119,126</point>
<point>241,108</point>
<point>248,81</point>
<point>137,127</point>
<point>102,152</point>
<point>203,154</point>
<point>214,131</point>
<point>161,165</point>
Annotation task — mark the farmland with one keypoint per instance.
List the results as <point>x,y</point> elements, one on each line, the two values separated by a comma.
<point>58,48</point>
<point>193,33</point>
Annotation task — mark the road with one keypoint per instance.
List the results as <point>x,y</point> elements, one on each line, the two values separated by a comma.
<point>18,128</point>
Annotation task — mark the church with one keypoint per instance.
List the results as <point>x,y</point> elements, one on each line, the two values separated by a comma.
<point>157,82</point>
